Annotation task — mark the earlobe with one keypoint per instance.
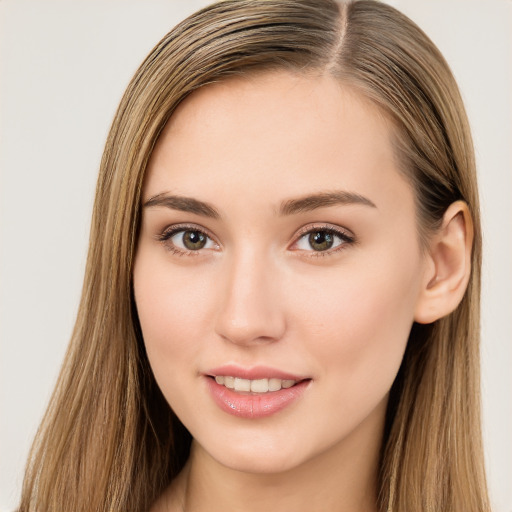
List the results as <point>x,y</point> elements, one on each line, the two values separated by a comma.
<point>448,265</point>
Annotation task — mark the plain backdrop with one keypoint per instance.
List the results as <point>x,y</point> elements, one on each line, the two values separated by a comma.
<point>63,67</point>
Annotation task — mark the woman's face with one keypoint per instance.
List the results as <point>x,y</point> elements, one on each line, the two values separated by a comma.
<point>278,248</point>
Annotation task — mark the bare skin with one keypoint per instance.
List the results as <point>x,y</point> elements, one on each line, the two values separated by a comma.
<point>341,482</point>
<point>259,291</point>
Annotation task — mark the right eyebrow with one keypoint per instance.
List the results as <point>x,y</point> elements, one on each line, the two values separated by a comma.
<point>183,204</point>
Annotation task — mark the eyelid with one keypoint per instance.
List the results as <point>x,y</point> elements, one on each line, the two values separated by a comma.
<point>319,226</point>
<point>345,234</point>
<point>168,232</point>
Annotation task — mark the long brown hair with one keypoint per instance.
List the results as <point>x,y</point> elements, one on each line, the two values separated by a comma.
<point>109,441</point>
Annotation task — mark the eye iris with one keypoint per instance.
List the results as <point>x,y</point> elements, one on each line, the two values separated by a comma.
<point>321,240</point>
<point>194,240</point>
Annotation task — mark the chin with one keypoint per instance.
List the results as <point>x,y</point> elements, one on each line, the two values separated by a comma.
<point>260,452</point>
<point>248,461</point>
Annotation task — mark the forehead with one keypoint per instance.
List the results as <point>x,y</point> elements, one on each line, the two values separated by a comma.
<point>274,135</point>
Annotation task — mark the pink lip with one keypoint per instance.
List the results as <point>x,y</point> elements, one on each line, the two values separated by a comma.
<point>256,372</point>
<point>254,405</point>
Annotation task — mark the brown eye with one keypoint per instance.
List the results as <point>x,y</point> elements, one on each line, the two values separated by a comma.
<point>182,240</point>
<point>321,240</point>
<point>194,240</point>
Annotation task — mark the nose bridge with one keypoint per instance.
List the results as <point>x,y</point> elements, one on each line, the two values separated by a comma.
<point>249,309</point>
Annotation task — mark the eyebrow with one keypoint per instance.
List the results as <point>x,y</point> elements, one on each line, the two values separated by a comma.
<point>183,204</point>
<point>289,207</point>
<point>322,200</point>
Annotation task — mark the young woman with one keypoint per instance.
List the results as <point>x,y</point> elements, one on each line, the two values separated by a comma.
<point>280,308</point>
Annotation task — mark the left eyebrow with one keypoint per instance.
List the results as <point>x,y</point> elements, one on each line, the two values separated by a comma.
<point>322,200</point>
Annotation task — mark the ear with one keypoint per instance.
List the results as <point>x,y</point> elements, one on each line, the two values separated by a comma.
<point>447,265</point>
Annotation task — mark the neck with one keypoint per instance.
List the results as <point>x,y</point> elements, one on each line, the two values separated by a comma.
<point>341,479</point>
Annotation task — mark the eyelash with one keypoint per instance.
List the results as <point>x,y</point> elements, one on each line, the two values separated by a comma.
<point>169,232</point>
<point>344,236</point>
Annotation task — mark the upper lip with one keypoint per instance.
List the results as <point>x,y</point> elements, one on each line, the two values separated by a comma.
<point>253,373</point>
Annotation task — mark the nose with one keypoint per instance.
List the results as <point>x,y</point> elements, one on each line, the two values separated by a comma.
<point>250,307</point>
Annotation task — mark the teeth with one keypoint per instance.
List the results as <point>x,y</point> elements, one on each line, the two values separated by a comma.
<point>259,386</point>
<point>255,386</point>
<point>274,384</point>
<point>242,384</point>
<point>229,382</point>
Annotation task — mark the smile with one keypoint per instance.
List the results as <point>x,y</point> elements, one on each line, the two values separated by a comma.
<point>257,397</point>
<point>254,386</point>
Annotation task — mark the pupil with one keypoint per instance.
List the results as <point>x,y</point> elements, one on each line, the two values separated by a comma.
<point>194,240</point>
<point>321,240</point>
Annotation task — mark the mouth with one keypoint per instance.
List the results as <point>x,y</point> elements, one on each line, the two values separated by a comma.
<point>255,393</point>
<point>260,386</point>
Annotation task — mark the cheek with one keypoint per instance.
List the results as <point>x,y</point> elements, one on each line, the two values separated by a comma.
<point>359,326</point>
<point>172,310</point>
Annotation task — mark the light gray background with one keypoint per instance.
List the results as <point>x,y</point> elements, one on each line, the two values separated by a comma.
<point>63,67</point>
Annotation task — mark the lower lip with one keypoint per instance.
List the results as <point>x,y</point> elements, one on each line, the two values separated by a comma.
<point>254,405</point>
